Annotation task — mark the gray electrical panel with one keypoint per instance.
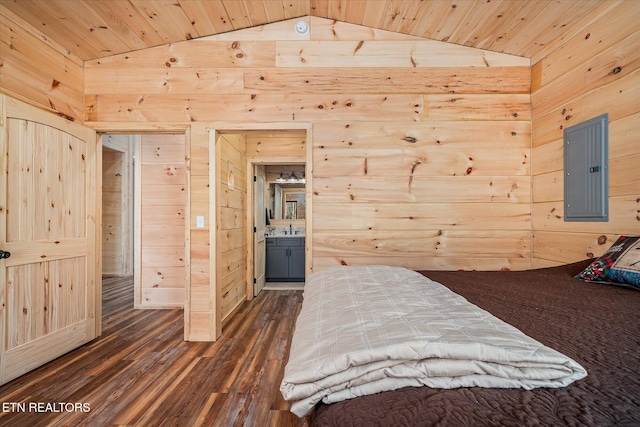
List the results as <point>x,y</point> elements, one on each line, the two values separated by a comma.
<point>586,183</point>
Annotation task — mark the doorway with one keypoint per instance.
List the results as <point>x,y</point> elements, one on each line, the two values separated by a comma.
<point>144,210</point>
<point>117,221</point>
<point>279,220</point>
<point>284,252</point>
<point>117,205</point>
<point>284,144</point>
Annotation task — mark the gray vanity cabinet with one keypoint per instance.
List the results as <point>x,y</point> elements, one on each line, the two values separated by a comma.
<point>285,259</point>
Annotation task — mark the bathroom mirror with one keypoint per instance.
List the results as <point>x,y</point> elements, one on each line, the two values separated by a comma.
<point>288,201</point>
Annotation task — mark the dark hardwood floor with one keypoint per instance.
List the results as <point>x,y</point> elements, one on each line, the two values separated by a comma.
<point>141,372</point>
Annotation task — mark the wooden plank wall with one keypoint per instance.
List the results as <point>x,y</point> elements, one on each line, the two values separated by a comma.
<point>203,320</point>
<point>283,147</point>
<point>594,72</point>
<point>114,258</point>
<point>37,70</point>
<point>231,167</point>
<point>421,148</point>
<point>162,221</point>
<point>117,204</point>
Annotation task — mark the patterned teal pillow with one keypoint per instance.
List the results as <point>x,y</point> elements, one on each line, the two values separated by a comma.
<point>619,265</point>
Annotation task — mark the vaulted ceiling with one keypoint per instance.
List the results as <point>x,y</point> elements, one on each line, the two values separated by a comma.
<point>91,29</point>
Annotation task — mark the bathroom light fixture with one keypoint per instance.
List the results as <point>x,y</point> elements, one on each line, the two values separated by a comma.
<point>281,178</point>
<point>302,28</point>
<point>293,177</point>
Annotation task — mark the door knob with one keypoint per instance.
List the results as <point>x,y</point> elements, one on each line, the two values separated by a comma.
<point>5,254</point>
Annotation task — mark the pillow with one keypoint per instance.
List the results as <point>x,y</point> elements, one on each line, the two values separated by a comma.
<point>619,265</point>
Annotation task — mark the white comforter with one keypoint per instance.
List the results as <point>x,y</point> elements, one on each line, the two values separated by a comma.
<point>363,330</point>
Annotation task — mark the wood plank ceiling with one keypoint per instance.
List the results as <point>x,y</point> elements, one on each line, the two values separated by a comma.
<point>91,29</point>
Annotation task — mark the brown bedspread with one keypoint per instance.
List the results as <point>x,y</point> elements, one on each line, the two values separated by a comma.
<point>596,325</point>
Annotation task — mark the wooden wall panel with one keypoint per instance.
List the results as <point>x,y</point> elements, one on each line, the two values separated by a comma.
<point>566,247</point>
<point>289,146</point>
<point>619,99</point>
<point>117,204</point>
<point>623,217</point>
<point>283,107</point>
<point>423,149</point>
<point>408,134</point>
<point>195,54</point>
<point>423,243</point>
<point>112,244</point>
<point>385,53</point>
<point>606,67</point>
<point>163,80</point>
<point>38,71</point>
<point>202,309</point>
<point>418,262</point>
<point>409,189</point>
<point>595,72</point>
<point>391,80</point>
<point>424,194</point>
<point>162,210</point>
<point>421,216</point>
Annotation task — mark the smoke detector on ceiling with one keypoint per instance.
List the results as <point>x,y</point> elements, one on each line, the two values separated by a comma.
<point>302,28</point>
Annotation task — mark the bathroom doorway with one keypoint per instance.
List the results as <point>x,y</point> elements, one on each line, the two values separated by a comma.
<point>285,232</point>
<point>282,157</point>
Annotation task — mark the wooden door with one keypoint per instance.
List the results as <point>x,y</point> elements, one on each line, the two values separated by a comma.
<point>259,218</point>
<point>49,286</point>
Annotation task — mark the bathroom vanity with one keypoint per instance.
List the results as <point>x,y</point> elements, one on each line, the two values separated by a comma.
<point>285,258</point>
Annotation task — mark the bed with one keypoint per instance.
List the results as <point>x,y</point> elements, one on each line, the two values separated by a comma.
<point>589,326</point>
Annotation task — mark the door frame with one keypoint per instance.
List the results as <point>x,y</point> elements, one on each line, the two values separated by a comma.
<point>259,275</point>
<point>308,219</point>
<point>271,161</point>
<point>135,130</point>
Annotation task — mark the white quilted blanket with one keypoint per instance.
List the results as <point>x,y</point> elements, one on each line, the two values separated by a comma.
<point>363,330</point>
